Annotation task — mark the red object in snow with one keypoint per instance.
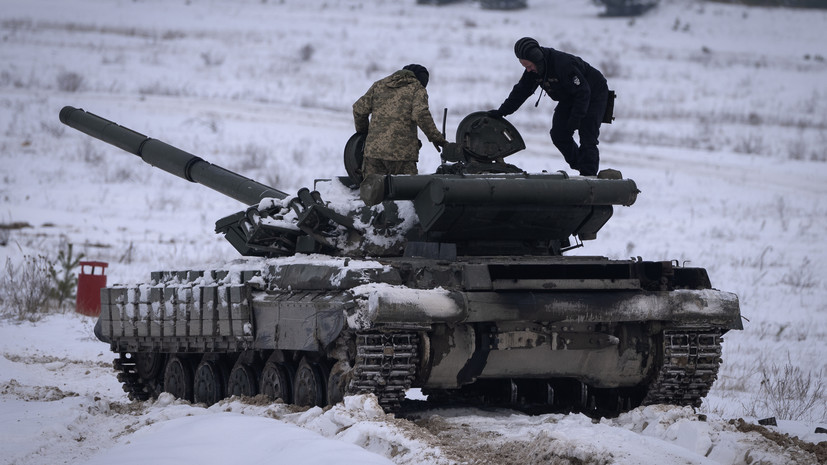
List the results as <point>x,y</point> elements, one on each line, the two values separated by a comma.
<point>89,287</point>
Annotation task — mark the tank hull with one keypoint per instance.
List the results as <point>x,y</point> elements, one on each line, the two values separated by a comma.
<point>449,327</point>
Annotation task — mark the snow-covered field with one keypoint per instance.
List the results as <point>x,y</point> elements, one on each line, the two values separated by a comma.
<point>721,121</point>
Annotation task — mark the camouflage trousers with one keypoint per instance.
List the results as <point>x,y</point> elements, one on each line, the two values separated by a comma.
<point>378,166</point>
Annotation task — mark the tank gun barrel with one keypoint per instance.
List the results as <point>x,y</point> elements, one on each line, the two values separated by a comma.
<point>501,189</point>
<point>168,158</point>
<point>532,191</point>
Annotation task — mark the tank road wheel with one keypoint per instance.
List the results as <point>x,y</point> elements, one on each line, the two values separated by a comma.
<point>337,382</point>
<point>309,385</point>
<point>208,385</point>
<point>150,368</point>
<point>277,382</point>
<point>149,365</point>
<point>178,378</point>
<point>243,381</point>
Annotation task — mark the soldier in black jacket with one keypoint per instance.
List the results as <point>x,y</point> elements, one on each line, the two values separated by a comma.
<point>582,94</point>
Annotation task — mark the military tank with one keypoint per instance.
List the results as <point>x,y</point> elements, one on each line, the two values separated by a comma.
<point>455,283</point>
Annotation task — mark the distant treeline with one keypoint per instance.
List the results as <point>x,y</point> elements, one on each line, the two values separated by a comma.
<point>785,3</point>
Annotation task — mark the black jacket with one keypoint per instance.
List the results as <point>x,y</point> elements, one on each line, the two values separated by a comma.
<point>565,78</point>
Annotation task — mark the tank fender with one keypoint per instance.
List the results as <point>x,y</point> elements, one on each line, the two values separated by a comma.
<point>682,306</point>
<point>99,332</point>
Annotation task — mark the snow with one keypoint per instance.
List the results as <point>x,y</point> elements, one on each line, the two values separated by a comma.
<point>721,122</point>
<point>240,437</point>
<point>415,304</point>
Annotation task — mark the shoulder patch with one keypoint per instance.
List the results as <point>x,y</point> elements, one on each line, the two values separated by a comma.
<point>576,81</point>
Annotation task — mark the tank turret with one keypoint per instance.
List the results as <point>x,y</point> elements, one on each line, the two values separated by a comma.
<point>479,205</point>
<point>453,282</point>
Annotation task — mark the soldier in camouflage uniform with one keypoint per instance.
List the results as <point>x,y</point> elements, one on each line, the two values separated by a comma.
<point>396,105</point>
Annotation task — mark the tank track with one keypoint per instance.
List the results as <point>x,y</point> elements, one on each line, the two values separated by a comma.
<point>691,358</point>
<point>385,366</point>
<point>133,385</point>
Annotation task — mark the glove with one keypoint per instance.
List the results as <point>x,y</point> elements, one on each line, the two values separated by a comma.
<point>573,124</point>
<point>494,113</point>
<point>438,144</point>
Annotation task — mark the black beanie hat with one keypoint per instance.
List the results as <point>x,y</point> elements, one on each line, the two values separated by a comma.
<point>420,72</point>
<point>528,49</point>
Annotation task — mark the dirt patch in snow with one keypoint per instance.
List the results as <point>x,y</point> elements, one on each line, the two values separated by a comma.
<point>466,444</point>
<point>51,360</point>
<point>800,450</point>
<point>34,393</point>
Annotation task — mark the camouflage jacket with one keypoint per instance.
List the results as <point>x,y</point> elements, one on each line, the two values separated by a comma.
<point>396,105</point>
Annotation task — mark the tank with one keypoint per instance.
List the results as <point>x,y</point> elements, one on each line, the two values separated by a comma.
<point>454,282</point>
